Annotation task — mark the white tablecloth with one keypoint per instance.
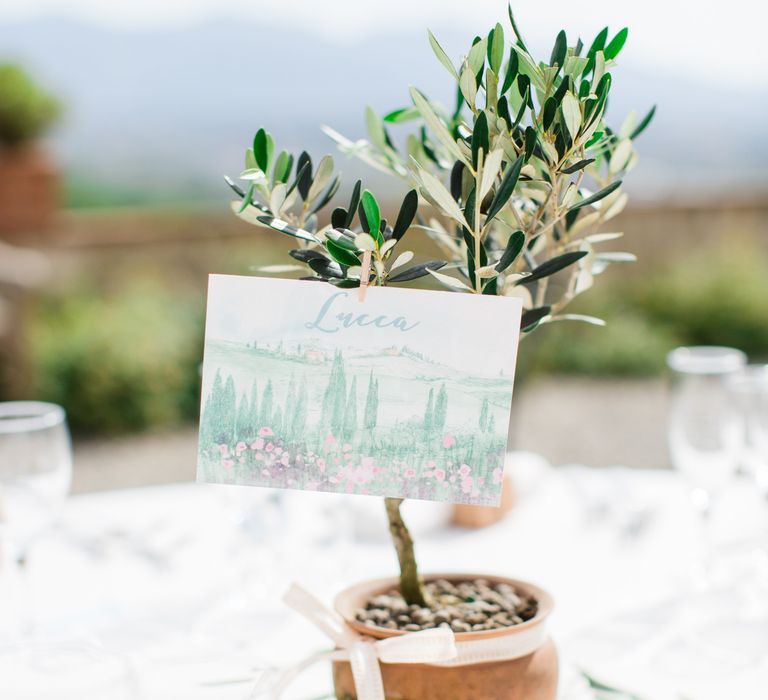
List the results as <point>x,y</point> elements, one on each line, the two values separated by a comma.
<point>173,592</point>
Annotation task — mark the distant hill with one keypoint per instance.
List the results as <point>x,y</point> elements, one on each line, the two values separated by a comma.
<point>170,111</point>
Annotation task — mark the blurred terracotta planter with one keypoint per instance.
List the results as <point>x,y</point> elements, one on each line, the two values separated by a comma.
<point>463,515</point>
<point>532,677</point>
<point>29,189</point>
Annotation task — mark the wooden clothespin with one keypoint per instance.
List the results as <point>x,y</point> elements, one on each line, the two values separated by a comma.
<point>365,275</point>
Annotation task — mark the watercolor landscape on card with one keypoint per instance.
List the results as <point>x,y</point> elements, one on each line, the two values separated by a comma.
<point>407,394</point>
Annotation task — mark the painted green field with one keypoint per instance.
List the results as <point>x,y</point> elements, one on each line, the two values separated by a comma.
<point>389,422</point>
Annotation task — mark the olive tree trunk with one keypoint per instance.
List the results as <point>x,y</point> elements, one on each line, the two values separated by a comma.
<point>410,583</point>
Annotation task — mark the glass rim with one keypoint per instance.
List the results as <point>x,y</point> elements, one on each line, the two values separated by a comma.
<point>24,416</point>
<point>706,359</point>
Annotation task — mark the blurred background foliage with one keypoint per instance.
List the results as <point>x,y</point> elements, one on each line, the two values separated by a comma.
<point>26,110</point>
<point>120,360</point>
<point>122,353</point>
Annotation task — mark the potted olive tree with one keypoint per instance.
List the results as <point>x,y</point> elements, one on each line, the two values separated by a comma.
<point>28,179</point>
<point>513,183</point>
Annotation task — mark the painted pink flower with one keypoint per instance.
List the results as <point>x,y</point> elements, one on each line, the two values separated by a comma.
<point>347,447</point>
<point>224,450</point>
<point>452,479</point>
<point>430,464</point>
<point>330,440</point>
<point>265,432</point>
<point>348,456</point>
<point>448,440</point>
<point>257,444</point>
<point>278,450</point>
<point>376,471</point>
<point>321,464</point>
<point>409,473</point>
<point>241,460</point>
<point>440,474</point>
<point>240,448</point>
<point>270,447</point>
<point>498,475</point>
<point>259,457</point>
<point>265,472</point>
<point>336,460</point>
<point>284,460</point>
<point>367,462</point>
<point>227,463</point>
<point>464,471</point>
<point>466,484</point>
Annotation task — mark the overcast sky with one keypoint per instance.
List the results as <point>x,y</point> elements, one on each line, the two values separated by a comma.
<point>723,40</point>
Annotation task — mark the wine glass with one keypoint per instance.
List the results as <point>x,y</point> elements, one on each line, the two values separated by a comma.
<point>751,388</point>
<point>35,475</point>
<point>705,429</point>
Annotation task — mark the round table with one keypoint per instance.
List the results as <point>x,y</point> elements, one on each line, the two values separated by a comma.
<point>174,591</point>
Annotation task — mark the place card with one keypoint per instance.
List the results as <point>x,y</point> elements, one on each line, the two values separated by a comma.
<point>406,394</point>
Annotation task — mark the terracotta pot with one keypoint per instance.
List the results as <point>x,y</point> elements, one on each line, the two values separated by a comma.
<point>29,189</point>
<point>532,677</point>
<point>475,517</point>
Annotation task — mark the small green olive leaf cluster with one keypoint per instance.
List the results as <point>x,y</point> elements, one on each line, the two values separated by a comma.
<point>514,183</point>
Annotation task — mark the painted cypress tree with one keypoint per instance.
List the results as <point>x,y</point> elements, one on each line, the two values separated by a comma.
<point>265,413</point>
<point>339,399</point>
<point>210,417</point>
<point>369,416</point>
<point>350,412</point>
<point>290,402</point>
<point>429,413</point>
<point>483,422</point>
<point>254,405</point>
<point>441,408</point>
<point>491,424</point>
<point>277,421</point>
<point>329,397</point>
<point>243,430</point>
<point>299,420</point>
<point>228,412</point>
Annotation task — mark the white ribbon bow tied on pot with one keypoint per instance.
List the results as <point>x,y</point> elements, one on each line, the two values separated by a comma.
<point>436,646</point>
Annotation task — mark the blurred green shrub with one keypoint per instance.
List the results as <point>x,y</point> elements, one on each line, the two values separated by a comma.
<point>26,111</point>
<point>120,362</point>
<point>128,358</point>
<point>714,298</point>
<point>718,298</point>
<point>629,345</point>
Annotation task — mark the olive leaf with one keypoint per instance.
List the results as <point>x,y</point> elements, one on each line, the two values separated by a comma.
<point>450,282</point>
<point>597,196</point>
<point>616,44</point>
<point>571,114</point>
<point>406,214</point>
<point>322,177</point>
<point>514,247</point>
<point>532,317</point>
<point>641,127</point>
<point>420,270</point>
<point>286,228</point>
<point>435,124</point>
<point>550,267</point>
<point>340,255</point>
<point>441,55</point>
<point>372,215</point>
<point>441,196</point>
<point>506,188</point>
